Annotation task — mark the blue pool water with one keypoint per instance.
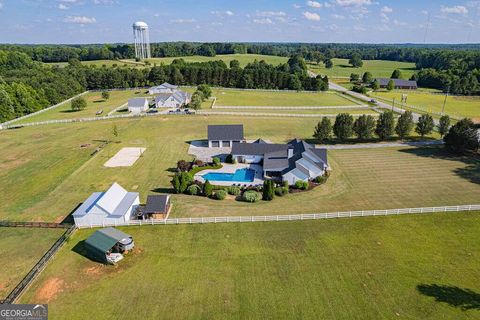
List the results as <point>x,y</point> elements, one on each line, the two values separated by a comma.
<point>241,175</point>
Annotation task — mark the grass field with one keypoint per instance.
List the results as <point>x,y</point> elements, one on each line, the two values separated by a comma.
<point>21,248</point>
<point>95,103</point>
<point>244,59</point>
<point>299,111</point>
<point>408,267</point>
<point>430,100</point>
<point>226,97</point>
<point>46,173</point>
<point>378,68</point>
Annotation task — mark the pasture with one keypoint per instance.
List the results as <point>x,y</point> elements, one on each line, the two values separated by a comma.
<point>405,267</point>
<point>21,248</point>
<point>49,170</point>
<point>432,101</point>
<point>95,103</point>
<point>329,112</point>
<point>378,68</point>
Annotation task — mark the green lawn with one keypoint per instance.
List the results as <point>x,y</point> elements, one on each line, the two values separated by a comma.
<point>378,68</point>
<point>227,97</point>
<point>244,59</point>
<point>47,173</point>
<point>430,100</point>
<point>299,111</point>
<point>21,248</point>
<point>95,103</point>
<point>405,267</point>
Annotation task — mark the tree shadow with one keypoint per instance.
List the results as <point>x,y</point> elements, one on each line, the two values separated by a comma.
<point>162,190</point>
<point>470,172</point>
<point>463,298</point>
<point>69,111</point>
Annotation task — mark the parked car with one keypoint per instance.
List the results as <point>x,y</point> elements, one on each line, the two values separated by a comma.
<point>99,112</point>
<point>373,101</point>
<point>152,111</point>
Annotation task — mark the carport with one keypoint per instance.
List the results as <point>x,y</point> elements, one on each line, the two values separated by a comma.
<point>107,245</point>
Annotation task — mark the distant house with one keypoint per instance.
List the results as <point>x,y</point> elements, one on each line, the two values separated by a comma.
<point>294,161</point>
<point>116,205</point>
<point>399,83</point>
<point>157,207</point>
<point>138,105</point>
<point>225,135</point>
<point>107,245</point>
<point>163,88</point>
<point>176,99</point>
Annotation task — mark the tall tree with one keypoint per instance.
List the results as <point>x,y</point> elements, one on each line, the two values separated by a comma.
<point>78,104</point>
<point>425,125</point>
<point>323,130</point>
<point>328,63</point>
<point>444,125</point>
<point>375,85</point>
<point>390,85</point>
<point>462,137</point>
<point>385,125</point>
<point>343,127</point>
<point>364,127</point>
<point>396,74</point>
<point>354,77</point>
<point>356,60</point>
<point>404,124</point>
<point>367,78</point>
<point>105,95</point>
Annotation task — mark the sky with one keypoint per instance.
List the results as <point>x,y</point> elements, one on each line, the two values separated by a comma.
<point>340,21</point>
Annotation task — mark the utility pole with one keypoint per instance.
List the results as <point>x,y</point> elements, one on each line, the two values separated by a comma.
<point>393,104</point>
<point>445,101</point>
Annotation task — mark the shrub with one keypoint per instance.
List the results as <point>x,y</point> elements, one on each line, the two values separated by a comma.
<point>281,191</point>
<point>183,165</point>
<point>234,191</point>
<point>216,161</point>
<point>229,159</point>
<point>268,190</point>
<point>251,196</point>
<point>78,104</point>
<point>193,190</point>
<point>207,189</point>
<point>321,179</point>
<point>220,194</point>
<point>302,185</point>
<point>199,163</point>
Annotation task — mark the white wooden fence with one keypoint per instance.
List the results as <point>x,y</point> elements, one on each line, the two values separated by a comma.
<point>295,217</point>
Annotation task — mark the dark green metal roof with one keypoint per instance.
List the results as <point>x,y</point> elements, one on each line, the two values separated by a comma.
<point>104,239</point>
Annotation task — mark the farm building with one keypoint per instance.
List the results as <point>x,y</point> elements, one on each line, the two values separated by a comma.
<point>138,105</point>
<point>157,207</point>
<point>107,245</point>
<point>399,83</point>
<point>163,88</point>
<point>224,135</point>
<point>114,206</point>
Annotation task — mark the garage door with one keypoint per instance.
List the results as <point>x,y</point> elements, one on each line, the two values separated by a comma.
<point>225,144</point>
<point>215,144</point>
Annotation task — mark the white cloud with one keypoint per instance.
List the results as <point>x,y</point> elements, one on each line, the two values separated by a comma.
<point>385,18</point>
<point>61,6</point>
<point>68,1</point>
<point>314,4</point>
<point>311,16</point>
<point>386,9</point>
<point>103,1</point>
<point>327,5</point>
<point>296,6</point>
<point>399,23</point>
<point>184,21</point>
<point>359,28</point>
<point>79,20</point>
<point>1,6</point>
<point>348,3</point>
<point>338,16</point>
<point>454,9</point>
<point>263,21</point>
<point>222,13</point>
<point>271,14</point>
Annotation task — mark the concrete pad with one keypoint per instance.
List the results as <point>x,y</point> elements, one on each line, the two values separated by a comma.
<point>126,157</point>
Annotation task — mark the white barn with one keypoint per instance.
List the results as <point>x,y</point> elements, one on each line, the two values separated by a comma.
<point>138,105</point>
<point>114,206</point>
<point>163,88</point>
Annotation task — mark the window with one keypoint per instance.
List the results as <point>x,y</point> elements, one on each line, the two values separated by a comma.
<point>215,144</point>
<point>225,144</point>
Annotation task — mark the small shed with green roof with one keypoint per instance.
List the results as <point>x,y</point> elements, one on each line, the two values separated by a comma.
<point>107,245</point>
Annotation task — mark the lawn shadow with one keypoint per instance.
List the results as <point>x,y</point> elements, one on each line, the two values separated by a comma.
<point>68,219</point>
<point>80,249</point>
<point>162,190</point>
<point>99,100</point>
<point>69,111</point>
<point>470,172</point>
<point>463,298</point>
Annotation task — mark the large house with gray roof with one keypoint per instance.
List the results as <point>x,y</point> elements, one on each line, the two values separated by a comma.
<point>223,136</point>
<point>163,88</point>
<point>176,99</point>
<point>294,161</point>
<point>399,83</point>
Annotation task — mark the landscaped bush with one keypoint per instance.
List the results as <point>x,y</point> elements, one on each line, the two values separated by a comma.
<point>251,196</point>
<point>321,179</point>
<point>220,194</point>
<point>216,161</point>
<point>302,185</point>
<point>229,159</point>
<point>281,191</point>
<point>199,163</point>
<point>207,189</point>
<point>234,191</point>
<point>193,190</point>
<point>183,165</point>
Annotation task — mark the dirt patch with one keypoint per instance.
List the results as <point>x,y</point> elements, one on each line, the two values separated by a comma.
<point>37,135</point>
<point>95,270</point>
<point>50,290</point>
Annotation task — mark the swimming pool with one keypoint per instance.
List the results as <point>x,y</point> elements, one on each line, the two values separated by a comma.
<point>241,175</point>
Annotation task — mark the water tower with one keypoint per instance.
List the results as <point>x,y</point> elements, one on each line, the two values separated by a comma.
<point>141,39</point>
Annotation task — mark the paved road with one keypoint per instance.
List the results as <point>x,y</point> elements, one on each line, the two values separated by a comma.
<point>383,145</point>
<point>362,97</point>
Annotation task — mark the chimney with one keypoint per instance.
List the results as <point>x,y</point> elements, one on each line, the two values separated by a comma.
<point>290,152</point>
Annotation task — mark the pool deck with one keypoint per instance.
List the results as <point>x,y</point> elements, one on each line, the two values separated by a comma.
<point>231,168</point>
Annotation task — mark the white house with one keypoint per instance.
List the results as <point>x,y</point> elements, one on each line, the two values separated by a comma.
<point>114,206</point>
<point>176,99</point>
<point>138,105</point>
<point>163,88</point>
